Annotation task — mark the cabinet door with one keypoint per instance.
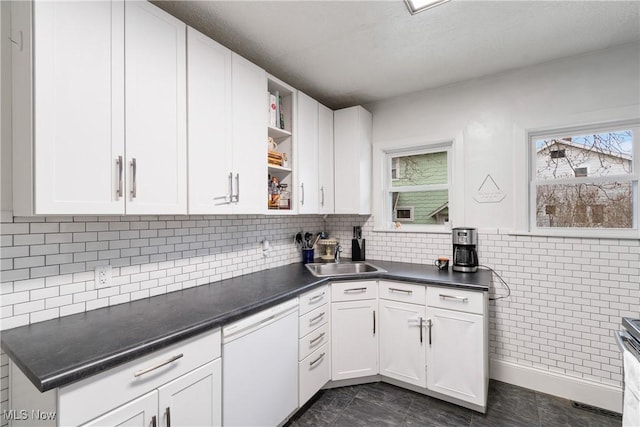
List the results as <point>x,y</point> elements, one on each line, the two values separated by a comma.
<point>307,158</point>
<point>194,399</point>
<point>325,160</point>
<point>249,136</point>
<point>141,412</point>
<point>209,99</point>
<point>78,106</point>
<point>402,342</point>
<point>456,355</point>
<point>354,339</point>
<point>314,373</point>
<point>155,51</point>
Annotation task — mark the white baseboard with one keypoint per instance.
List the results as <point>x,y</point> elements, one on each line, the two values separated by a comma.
<point>583,391</point>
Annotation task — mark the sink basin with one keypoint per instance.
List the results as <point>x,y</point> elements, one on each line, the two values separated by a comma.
<point>342,268</point>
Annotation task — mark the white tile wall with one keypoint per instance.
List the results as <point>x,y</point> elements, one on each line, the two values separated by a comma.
<point>567,294</point>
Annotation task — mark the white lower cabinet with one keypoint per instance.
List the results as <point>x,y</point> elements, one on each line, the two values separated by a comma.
<point>402,342</point>
<point>141,412</point>
<point>314,345</point>
<point>354,334</point>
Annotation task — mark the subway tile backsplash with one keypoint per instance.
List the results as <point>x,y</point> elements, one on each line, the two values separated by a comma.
<point>567,294</point>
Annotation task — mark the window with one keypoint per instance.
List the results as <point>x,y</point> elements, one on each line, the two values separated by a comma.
<point>417,186</point>
<point>585,178</point>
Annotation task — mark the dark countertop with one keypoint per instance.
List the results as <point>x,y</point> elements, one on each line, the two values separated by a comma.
<point>61,351</point>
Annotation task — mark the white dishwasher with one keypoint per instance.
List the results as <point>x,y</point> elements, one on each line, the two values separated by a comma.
<point>260,367</point>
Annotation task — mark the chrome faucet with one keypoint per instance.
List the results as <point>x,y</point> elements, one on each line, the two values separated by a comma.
<point>336,254</point>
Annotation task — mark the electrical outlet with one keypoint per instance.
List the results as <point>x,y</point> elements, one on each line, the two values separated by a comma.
<point>103,276</point>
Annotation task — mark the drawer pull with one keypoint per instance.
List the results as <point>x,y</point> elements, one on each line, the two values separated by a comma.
<point>406,291</point>
<point>317,360</point>
<point>316,339</point>
<point>316,319</point>
<point>454,297</point>
<point>355,290</point>
<point>159,365</point>
<point>316,298</point>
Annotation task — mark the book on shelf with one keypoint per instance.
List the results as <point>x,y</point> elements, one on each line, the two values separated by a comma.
<point>281,112</point>
<point>272,110</point>
<point>278,108</point>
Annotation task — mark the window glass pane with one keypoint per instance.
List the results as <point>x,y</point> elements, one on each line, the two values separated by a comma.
<point>602,205</point>
<point>420,169</point>
<point>597,154</point>
<point>426,207</point>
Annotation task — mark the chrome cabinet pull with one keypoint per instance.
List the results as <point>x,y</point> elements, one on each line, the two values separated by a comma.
<point>374,322</point>
<point>315,319</point>
<point>237,187</point>
<point>429,325</point>
<point>19,42</point>
<point>154,422</point>
<point>159,365</point>
<point>317,360</point>
<point>168,415</point>
<point>406,291</point>
<point>454,297</point>
<point>228,198</point>
<point>355,290</point>
<point>316,298</point>
<point>120,167</point>
<point>302,194</point>
<point>421,322</point>
<point>316,339</point>
<point>134,170</point>
<point>322,196</point>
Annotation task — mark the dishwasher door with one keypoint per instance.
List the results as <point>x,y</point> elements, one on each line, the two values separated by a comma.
<point>260,369</point>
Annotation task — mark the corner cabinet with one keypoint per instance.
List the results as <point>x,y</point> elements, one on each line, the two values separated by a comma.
<point>352,154</point>
<point>326,180</point>
<point>81,89</point>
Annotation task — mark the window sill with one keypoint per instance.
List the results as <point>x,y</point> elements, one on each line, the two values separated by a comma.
<point>577,234</point>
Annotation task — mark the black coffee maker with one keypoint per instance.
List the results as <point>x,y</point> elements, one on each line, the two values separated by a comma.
<point>465,255</point>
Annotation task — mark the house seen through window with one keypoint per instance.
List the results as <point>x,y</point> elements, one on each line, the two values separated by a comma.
<point>418,187</point>
<point>585,179</point>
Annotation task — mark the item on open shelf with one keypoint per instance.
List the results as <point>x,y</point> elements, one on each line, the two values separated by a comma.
<point>272,110</point>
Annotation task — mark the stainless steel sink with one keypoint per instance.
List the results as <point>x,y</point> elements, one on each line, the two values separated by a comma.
<point>342,268</point>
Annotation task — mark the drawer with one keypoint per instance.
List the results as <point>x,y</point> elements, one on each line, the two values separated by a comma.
<point>456,299</point>
<point>353,291</point>
<point>314,298</point>
<point>402,292</point>
<point>314,372</point>
<point>116,386</point>
<point>314,340</point>
<point>313,319</point>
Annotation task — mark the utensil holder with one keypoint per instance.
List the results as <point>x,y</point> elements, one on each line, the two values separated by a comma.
<point>307,256</point>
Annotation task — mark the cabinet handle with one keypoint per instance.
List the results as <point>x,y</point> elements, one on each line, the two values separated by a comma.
<point>168,415</point>
<point>355,290</point>
<point>302,194</point>
<point>228,198</point>
<point>159,365</point>
<point>374,322</point>
<point>120,167</point>
<point>421,322</point>
<point>237,187</point>
<point>316,298</point>
<point>315,319</point>
<point>406,291</point>
<point>454,297</point>
<point>317,360</point>
<point>322,196</point>
<point>134,169</point>
<point>316,339</point>
<point>19,42</point>
<point>429,325</point>
<point>154,422</point>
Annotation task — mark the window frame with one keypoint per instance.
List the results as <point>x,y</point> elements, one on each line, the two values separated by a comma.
<point>383,215</point>
<point>633,178</point>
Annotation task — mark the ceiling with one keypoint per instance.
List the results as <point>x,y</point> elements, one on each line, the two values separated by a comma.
<point>349,52</point>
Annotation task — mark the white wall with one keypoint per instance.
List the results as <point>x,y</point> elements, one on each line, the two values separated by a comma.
<point>555,332</point>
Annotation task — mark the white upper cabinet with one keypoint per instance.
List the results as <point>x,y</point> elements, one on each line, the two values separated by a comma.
<point>156,136</point>
<point>249,136</point>
<point>307,159</point>
<point>209,109</point>
<point>68,107</point>
<point>352,137</point>
<point>325,160</point>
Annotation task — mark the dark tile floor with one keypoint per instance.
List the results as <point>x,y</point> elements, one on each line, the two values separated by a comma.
<point>380,404</point>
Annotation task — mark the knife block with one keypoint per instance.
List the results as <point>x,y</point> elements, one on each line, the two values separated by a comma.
<point>357,250</point>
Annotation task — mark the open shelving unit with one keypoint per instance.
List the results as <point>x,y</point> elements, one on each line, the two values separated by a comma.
<point>283,137</point>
